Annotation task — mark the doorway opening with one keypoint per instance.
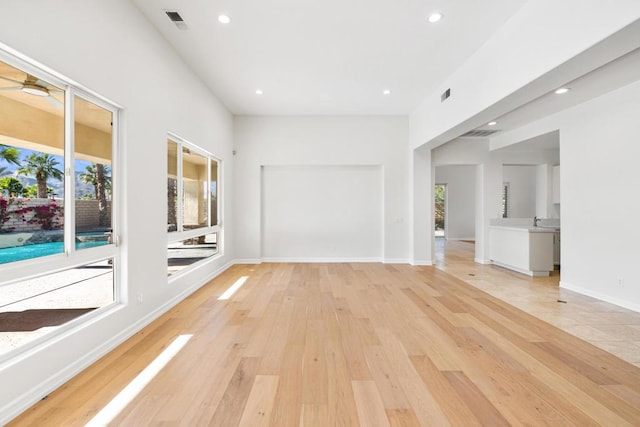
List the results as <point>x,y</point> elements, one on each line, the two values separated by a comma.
<point>440,209</point>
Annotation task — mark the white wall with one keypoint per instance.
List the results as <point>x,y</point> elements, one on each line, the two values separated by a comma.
<point>322,141</point>
<point>600,178</point>
<point>461,200</point>
<point>522,190</point>
<point>322,213</point>
<point>110,48</point>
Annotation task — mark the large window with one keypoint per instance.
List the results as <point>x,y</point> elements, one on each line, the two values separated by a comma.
<point>57,217</point>
<point>192,204</point>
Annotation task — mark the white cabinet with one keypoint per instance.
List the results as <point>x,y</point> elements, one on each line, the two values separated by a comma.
<point>556,184</point>
<point>527,250</point>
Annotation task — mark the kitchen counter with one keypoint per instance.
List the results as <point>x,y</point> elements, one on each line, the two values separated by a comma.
<point>525,249</point>
<point>530,229</point>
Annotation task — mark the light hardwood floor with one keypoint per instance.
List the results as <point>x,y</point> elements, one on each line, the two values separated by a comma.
<point>361,344</point>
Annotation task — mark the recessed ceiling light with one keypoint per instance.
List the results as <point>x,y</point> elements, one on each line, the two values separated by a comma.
<point>224,19</point>
<point>259,92</point>
<point>492,123</point>
<point>435,17</point>
<point>562,90</point>
<point>386,92</point>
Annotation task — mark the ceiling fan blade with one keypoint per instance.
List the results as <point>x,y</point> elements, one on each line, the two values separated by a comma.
<point>53,101</point>
<point>11,80</point>
<point>54,90</point>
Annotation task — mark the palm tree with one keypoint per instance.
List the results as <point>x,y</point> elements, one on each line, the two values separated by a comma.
<point>3,170</point>
<point>172,207</point>
<point>9,154</point>
<point>43,167</point>
<point>11,185</point>
<point>97,175</point>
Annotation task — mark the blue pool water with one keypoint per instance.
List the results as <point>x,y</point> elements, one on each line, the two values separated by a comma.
<point>19,253</point>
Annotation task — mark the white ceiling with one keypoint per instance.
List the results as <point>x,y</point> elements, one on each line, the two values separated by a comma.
<point>613,75</point>
<point>327,57</point>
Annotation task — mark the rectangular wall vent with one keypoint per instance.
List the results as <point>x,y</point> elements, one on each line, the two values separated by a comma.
<point>175,17</point>
<point>479,133</point>
<point>446,94</point>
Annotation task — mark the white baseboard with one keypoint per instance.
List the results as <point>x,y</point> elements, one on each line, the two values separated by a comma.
<point>602,297</point>
<point>424,263</point>
<point>396,261</point>
<point>322,260</point>
<point>483,261</point>
<point>522,270</point>
<point>23,402</point>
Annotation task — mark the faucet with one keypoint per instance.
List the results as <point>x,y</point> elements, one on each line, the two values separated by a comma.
<point>536,220</point>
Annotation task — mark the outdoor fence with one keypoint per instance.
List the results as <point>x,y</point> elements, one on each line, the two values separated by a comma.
<point>27,215</point>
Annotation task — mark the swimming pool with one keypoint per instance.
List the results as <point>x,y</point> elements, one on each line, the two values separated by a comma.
<point>20,253</point>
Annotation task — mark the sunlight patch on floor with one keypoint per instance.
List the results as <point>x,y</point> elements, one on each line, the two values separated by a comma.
<point>232,290</point>
<point>126,396</point>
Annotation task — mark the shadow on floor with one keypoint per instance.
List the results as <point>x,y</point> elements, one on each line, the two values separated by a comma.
<point>31,320</point>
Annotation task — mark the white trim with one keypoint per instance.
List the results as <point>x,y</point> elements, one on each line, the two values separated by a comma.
<point>522,270</point>
<point>424,263</point>
<point>192,267</point>
<point>69,183</point>
<point>40,343</point>
<point>396,261</point>
<point>385,261</point>
<point>21,403</point>
<point>483,261</point>
<point>602,297</point>
<point>42,72</point>
<point>178,236</point>
<point>322,260</point>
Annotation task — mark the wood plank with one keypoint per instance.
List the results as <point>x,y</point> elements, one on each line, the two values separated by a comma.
<point>371,410</point>
<point>315,377</point>
<point>387,382</point>
<point>481,408</point>
<point>341,405</point>
<point>257,411</point>
<point>451,403</point>
<point>287,410</point>
<point>233,401</point>
<point>424,405</point>
<point>402,418</point>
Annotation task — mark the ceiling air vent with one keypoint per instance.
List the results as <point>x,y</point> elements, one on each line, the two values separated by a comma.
<point>446,94</point>
<point>176,19</point>
<point>479,133</point>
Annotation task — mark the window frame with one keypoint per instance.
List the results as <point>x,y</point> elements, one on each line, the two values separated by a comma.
<point>180,234</point>
<point>71,258</point>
